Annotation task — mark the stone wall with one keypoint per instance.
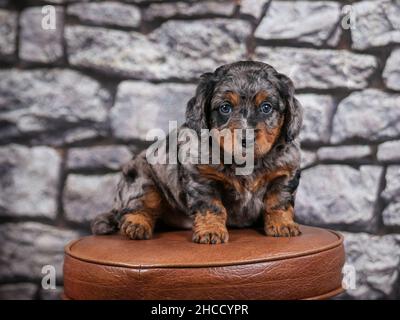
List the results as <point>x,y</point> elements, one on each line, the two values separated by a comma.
<point>76,102</point>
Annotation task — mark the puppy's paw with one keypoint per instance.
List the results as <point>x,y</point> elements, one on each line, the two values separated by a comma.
<point>211,235</point>
<point>282,229</point>
<point>136,227</point>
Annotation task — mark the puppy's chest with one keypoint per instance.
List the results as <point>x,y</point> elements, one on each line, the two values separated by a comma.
<point>245,188</point>
<point>242,196</point>
<point>245,204</point>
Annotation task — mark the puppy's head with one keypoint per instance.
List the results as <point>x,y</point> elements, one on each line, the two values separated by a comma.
<point>246,95</point>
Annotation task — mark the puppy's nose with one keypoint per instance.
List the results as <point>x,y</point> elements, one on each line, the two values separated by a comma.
<point>248,141</point>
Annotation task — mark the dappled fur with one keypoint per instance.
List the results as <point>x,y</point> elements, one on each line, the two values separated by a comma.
<point>208,198</point>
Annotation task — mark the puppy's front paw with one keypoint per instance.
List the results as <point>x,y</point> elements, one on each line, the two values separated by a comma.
<point>136,227</point>
<point>211,235</point>
<point>282,229</point>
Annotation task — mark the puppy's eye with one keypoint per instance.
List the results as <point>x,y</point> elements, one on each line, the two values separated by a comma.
<point>265,107</point>
<point>225,108</point>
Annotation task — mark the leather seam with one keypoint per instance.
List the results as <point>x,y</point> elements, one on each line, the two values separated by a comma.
<point>180,266</point>
<point>329,294</point>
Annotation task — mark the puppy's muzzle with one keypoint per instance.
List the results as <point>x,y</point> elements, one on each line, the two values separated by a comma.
<point>248,140</point>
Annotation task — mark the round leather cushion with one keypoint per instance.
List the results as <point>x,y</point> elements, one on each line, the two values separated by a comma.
<point>170,266</point>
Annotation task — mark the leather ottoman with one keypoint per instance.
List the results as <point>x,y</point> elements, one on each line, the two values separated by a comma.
<point>170,266</point>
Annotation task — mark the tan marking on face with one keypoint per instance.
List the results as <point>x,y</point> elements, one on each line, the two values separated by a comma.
<point>266,137</point>
<point>260,97</point>
<point>232,97</point>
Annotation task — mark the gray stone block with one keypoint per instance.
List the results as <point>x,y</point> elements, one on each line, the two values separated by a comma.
<point>370,115</point>
<point>169,10</point>
<point>37,101</point>
<point>377,24</point>
<point>338,194</point>
<point>318,111</point>
<point>302,21</point>
<point>178,49</point>
<point>392,188</point>
<point>391,73</point>
<point>27,247</point>
<point>29,181</point>
<point>391,214</point>
<point>8,34</point>
<point>142,106</point>
<point>389,151</point>
<point>253,7</point>
<point>110,13</point>
<point>37,42</point>
<point>87,196</point>
<point>376,263</point>
<point>99,157</point>
<point>343,153</point>
<point>320,69</point>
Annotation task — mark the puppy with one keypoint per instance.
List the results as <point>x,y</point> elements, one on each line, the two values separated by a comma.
<point>211,197</point>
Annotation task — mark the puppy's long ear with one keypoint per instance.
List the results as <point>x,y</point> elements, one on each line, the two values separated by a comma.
<point>196,109</point>
<point>294,110</point>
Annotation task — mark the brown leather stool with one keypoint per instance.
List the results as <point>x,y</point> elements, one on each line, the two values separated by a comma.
<point>170,266</point>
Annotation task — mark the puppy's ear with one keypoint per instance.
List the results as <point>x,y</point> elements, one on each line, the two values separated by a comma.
<point>294,110</point>
<point>196,109</point>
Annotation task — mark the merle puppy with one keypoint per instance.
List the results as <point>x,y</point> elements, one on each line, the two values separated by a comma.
<point>208,198</point>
